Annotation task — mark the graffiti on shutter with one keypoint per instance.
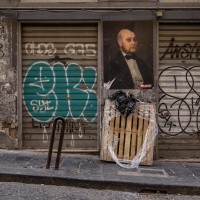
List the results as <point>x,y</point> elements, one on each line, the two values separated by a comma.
<point>179,93</point>
<point>60,80</point>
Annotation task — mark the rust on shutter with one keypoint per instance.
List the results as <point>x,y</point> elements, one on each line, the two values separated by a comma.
<point>59,78</point>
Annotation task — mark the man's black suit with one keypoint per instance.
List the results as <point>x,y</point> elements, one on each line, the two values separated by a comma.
<point>119,70</point>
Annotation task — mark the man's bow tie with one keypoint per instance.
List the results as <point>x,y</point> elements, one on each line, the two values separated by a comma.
<point>128,56</point>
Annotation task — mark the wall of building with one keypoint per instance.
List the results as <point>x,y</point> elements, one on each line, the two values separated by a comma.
<point>8,80</point>
<point>17,120</point>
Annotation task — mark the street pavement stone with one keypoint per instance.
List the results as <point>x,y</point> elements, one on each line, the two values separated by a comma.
<point>21,191</point>
<point>90,171</point>
<point>194,169</point>
<point>7,158</point>
<point>166,197</point>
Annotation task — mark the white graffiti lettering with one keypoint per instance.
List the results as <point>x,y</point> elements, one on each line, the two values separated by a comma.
<point>41,49</point>
<point>69,49</point>
<point>41,105</point>
<point>90,49</point>
<point>39,83</point>
<point>49,49</point>
<point>80,49</point>
<point>42,91</point>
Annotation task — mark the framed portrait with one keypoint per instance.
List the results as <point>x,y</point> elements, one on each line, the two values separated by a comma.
<point>128,54</point>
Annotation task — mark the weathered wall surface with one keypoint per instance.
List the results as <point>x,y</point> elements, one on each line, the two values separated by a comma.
<point>7,82</point>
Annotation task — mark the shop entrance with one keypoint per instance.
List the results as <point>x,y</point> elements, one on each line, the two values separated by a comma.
<point>59,78</point>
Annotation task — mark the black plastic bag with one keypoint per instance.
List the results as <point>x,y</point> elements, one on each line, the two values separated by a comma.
<point>124,104</point>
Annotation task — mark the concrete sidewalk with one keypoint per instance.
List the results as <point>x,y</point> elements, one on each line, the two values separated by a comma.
<point>89,171</point>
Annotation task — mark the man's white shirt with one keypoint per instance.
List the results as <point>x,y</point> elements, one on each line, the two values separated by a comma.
<point>135,72</point>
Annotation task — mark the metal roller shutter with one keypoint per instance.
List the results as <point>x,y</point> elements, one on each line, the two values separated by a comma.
<point>59,74</point>
<point>179,91</point>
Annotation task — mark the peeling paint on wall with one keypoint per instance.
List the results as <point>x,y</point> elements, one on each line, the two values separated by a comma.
<point>4,52</point>
<point>7,79</point>
<point>7,108</point>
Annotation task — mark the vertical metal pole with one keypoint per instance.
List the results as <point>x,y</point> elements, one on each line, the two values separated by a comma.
<point>52,141</point>
<point>51,144</point>
<point>60,144</point>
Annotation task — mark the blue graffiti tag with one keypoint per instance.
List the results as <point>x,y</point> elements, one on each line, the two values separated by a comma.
<point>57,90</point>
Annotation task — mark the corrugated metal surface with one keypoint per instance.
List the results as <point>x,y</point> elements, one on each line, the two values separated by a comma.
<point>179,1</point>
<point>59,74</point>
<point>179,91</point>
<point>56,1</point>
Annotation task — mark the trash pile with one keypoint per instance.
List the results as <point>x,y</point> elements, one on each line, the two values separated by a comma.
<point>124,103</point>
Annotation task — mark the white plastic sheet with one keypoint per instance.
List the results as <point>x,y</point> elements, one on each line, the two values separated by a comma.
<point>144,112</point>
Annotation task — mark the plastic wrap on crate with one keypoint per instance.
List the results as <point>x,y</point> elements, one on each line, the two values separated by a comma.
<point>129,140</point>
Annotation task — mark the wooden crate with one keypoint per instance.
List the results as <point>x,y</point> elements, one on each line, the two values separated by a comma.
<point>127,134</point>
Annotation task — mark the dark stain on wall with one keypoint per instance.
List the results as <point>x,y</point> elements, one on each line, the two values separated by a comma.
<point>8,97</point>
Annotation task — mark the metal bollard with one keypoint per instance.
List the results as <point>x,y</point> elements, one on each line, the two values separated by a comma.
<point>52,141</point>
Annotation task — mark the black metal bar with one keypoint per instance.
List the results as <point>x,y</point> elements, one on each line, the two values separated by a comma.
<point>52,141</point>
<point>60,144</point>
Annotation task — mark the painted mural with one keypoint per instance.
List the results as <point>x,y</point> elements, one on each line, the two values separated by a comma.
<point>128,54</point>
